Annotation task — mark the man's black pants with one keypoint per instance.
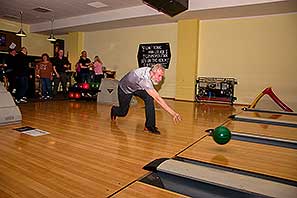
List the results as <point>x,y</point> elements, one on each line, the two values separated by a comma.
<point>124,104</point>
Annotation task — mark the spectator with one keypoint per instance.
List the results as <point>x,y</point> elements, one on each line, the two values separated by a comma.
<point>44,71</point>
<point>11,63</point>
<point>84,65</point>
<point>22,73</point>
<point>60,66</point>
<point>98,69</point>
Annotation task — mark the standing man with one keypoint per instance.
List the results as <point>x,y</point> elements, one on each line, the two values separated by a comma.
<point>22,76</point>
<point>11,63</point>
<point>60,65</point>
<point>139,82</point>
<point>84,64</point>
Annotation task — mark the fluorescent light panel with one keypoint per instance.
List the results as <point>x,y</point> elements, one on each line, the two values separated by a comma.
<point>97,4</point>
<point>42,9</point>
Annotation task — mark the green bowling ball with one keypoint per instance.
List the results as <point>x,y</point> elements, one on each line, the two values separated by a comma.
<point>221,135</point>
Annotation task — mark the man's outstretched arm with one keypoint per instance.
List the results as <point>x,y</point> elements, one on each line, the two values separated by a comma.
<point>152,92</point>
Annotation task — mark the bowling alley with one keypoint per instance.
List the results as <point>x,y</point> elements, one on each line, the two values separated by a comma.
<point>148,99</point>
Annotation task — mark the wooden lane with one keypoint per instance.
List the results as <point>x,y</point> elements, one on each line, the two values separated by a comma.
<point>85,155</point>
<point>258,158</point>
<point>139,189</point>
<point>268,130</point>
<point>273,116</point>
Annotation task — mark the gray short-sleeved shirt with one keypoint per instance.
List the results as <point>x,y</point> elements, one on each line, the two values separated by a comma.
<point>137,79</point>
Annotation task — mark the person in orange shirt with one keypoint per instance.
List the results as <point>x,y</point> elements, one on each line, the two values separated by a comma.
<point>44,71</point>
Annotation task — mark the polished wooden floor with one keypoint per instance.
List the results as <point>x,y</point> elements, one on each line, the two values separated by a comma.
<point>142,190</point>
<point>85,155</point>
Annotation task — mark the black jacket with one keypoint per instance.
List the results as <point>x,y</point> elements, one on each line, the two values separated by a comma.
<point>22,67</point>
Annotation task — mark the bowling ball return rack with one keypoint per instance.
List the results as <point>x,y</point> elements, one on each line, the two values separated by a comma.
<point>87,91</point>
<point>201,179</point>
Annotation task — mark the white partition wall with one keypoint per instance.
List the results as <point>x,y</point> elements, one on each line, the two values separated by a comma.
<point>108,92</point>
<point>9,112</point>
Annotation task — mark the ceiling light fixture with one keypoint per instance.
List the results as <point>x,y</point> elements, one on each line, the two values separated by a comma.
<point>52,36</point>
<point>21,33</point>
<point>97,4</point>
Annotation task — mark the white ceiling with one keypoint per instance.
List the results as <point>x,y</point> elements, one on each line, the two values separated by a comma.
<point>77,15</point>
